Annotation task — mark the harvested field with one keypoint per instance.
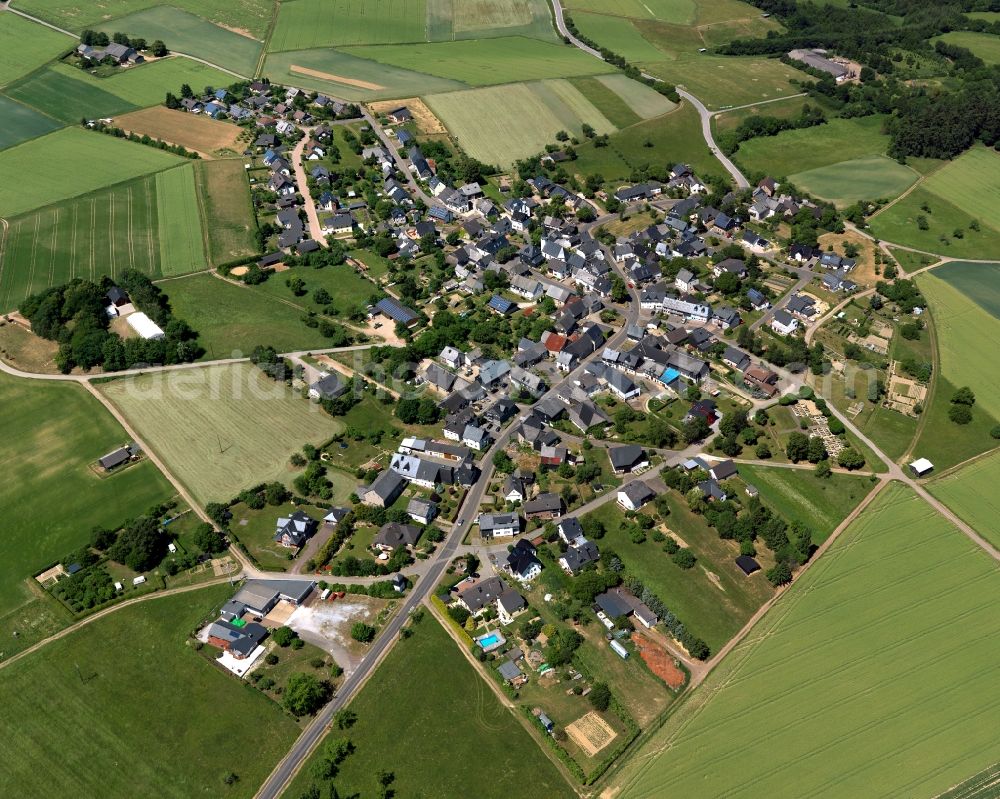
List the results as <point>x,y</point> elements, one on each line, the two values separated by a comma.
<point>223,428</point>
<point>315,73</point>
<point>591,733</point>
<point>660,662</point>
<point>423,117</point>
<point>200,133</point>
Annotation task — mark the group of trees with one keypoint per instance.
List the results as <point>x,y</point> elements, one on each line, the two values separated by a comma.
<point>74,315</point>
<point>962,401</point>
<point>94,38</point>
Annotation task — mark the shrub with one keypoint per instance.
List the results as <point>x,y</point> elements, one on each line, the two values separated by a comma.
<point>362,632</point>
<point>684,558</point>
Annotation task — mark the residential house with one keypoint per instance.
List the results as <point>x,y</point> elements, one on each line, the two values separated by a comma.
<point>499,525</point>
<point>481,595</point>
<point>422,510</point>
<point>634,495</point>
<point>783,323</point>
<point>294,530</point>
<point>392,536</point>
<point>544,506</point>
<point>628,458</point>
<point>384,490</point>
<point>522,562</point>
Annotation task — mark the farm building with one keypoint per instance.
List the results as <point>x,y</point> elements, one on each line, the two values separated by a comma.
<point>921,466</point>
<point>115,459</point>
<point>747,565</point>
<point>396,311</point>
<point>144,326</point>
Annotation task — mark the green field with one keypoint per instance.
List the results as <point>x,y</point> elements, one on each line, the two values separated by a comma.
<point>130,683</point>
<point>54,431</point>
<point>793,152</point>
<point>479,19</point>
<point>606,101</point>
<point>21,123</point>
<point>182,245</point>
<point>872,676</point>
<point>714,599</point>
<point>782,109</point>
<point>349,290</point>
<point>799,496</point>
<point>872,177</point>
<point>619,35</point>
<point>945,443</point>
<point>187,33</point>
<point>984,45</point>
<point>252,16</point>
<point>227,209</point>
<point>972,183</point>
<point>303,24</point>
<point>482,121</point>
<point>220,429</point>
<point>233,319</point>
<point>968,339</point>
<point>672,138</point>
<point>487,62</point>
<point>722,81</point>
<point>328,69</point>
<point>453,719</point>
<point>969,492</point>
<point>25,46</point>
<point>979,282</point>
<point>644,101</point>
<point>681,12</point>
<point>69,94</point>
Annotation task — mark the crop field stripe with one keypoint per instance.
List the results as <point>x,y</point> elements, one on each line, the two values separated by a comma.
<point>182,247</point>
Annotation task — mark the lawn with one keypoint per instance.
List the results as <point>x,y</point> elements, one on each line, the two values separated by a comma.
<point>793,152</point>
<point>882,658</point>
<point>984,45</point>
<point>781,109</point>
<point>351,77</point>
<point>182,244</point>
<point>52,500</point>
<point>70,94</point>
<point>681,12</point>
<point>25,46</point>
<point>968,339</point>
<point>303,24</point>
<point>200,132</point>
<point>130,683</point>
<point>453,717</point>
<point>232,319</point>
<point>722,81</point>
<point>643,100</point>
<point>487,62</point>
<point>101,233</point>
<point>714,599</point>
<point>69,163</point>
<point>672,138</point>
<point>871,177</point>
<point>21,123</point>
<point>187,33</point>
<point>220,429</point>
<point>348,289</point>
<point>619,35</point>
<point>945,443</point>
<point>972,183</point>
<point>977,281</point>
<point>799,496</point>
<point>227,209</point>
<point>501,124</point>
<point>248,16</point>
<point>255,530</point>
<point>968,493</point>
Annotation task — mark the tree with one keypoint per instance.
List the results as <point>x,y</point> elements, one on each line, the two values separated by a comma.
<point>364,633</point>
<point>208,539</point>
<point>502,462</point>
<point>964,396</point>
<point>763,451</point>
<point>797,448</point>
<point>159,49</point>
<point>141,545</point>
<point>304,694</point>
<point>850,459</point>
<point>344,718</point>
<point>960,414</point>
<point>600,696</point>
<point>684,558</point>
<point>823,469</point>
<point>779,574</point>
<point>816,451</point>
<point>695,429</point>
<point>283,636</point>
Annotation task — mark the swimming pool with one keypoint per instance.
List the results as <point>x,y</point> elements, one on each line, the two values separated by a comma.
<point>489,641</point>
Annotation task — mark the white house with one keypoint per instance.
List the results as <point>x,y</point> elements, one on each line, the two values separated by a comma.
<point>784,323</point>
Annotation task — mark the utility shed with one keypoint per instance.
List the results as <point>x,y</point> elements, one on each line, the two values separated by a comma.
<point>921,466</point>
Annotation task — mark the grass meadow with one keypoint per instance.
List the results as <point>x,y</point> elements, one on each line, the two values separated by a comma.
<point>871,177</point>
<point>248,16</point>
<point>221,429</point>
<point>70,94</point>
<point>945,443</point>
<point>349,290</point>
<point>872,675</point>
<point>182,244</point>
<point>714,599</point>
<point>454,711</point>
<point>303,24</point>
<point>127,685</point>
<point>52,500</point>
<point>970,493</point>
<point>799,496</point>
<point>680,12</point>
<point>984,45</point>
<point>968,339</point>
<point>793,152</point>
<point>619,35</point>
<point>228,212</point>
<point>606,101</point>
<point>21,123</point>
<point>643,100</point>
<point>482,19</point>
<point>351,77</point>
<point>977,281</point>
<point>482,122</point>
<point>190,33</point>
<point>972,183</point>
<point>782,109</point>
<point>25,46</point>
<point>487,62</point>
<point>231,318</point>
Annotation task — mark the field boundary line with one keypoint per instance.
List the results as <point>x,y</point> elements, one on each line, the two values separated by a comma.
<point>73,239</point>
<point>34,254</point>
<point>54,240</point>
<point>919,182</point>
<point>5,225</point>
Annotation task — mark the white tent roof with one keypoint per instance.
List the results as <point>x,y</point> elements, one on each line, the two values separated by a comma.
<point>143,325</point>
